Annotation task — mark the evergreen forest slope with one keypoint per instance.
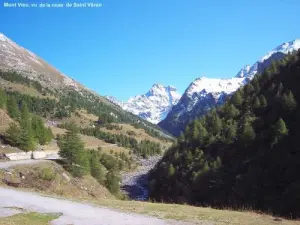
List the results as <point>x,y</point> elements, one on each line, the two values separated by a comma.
<point>243,154</point>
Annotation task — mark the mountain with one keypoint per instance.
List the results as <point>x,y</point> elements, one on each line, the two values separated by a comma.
<point>243,153</point>
<point>206,93</point>
<point>16,58</point>
<point>23,71</point>
<point>152,106</point>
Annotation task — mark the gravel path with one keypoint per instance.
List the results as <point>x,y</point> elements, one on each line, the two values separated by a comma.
<point>135,183</point>
<point>72,212</point>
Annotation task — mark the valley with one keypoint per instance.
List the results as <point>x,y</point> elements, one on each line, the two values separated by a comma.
<point>69,155</point>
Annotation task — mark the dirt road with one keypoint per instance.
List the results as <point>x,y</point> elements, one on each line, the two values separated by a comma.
<point>72,212</point>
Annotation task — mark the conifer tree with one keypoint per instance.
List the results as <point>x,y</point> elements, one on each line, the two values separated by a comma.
<point>12,108</point>
<point>216,124</point>
<point>280,128</point>
<point>263,101</point>
<point>98,171</point>
<point>181,138</point>
<point>231,132</point>
<point>13,134</point>
<point>248,89</point>
<point>256,102</point>
<point>202,133</point>
<point>2,99</point>
<point>112,182</point>
<point>195,129</point>
<point>288,101</point>
<point>273,67</point>
<point>237,99</point>
<point>25,116</point>
<point>27,141</point>
<point>72,150</point>
<point>247,133</point>
<point>231,111</point>
<point>171,170</point>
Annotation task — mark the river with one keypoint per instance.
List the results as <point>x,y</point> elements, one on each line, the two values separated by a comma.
<point>135,184</point>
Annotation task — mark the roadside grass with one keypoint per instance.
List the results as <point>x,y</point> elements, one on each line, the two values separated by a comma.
<point>31,218</point>
<point>50,178</point>
<point>196,215</point>
<point>184,213</point>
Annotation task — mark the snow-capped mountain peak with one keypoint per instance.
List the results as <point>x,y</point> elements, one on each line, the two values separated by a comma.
<point>152,106</point>
<point>243,72</point>
<point>284,48</point>
<point>213,85</point>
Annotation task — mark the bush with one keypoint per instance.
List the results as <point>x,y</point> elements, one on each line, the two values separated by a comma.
<point>47,174</point>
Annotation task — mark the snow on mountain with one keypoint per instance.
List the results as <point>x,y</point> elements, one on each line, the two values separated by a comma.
<point>285,48</point>
<point>205,93</point>
<point>205,85</point>
<point>152,106</point>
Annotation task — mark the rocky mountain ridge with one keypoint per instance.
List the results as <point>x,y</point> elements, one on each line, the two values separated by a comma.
<point>206,93</point>
<point>152,106</point>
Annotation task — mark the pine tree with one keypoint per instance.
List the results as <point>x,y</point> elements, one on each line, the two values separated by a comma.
<point>255,84</point>
<point>171,170</point>
<point>195,132</point>
<point>256,103</point>
<point>2,99</point>
<point>98,171</point>
<point>113,182</point>
<point>248,89</point>
<point>72,150</point>
<point>216,124</point>
<point>27,140</point>
<point>231,132</point>
<point>263,101</point>
<point>247,133</point>
<point>13,134</point>
<point>25,116</point>
<point>12,108</point>
<point>237,99</point>
<point>41,133</point>
<point>288,101</point>
<point>273,67</point>
<point>181,138</point>
<point>202,133</point>
<point>280,128</point>
<point>231,111</point>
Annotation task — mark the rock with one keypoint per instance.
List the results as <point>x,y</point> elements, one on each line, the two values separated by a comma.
<point>19,155</point>
<point>135,183</point>
<point>22,175</point>
<point>66,177</point>
<point>13,183</point>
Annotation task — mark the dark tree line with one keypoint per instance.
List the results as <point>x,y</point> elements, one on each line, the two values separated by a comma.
<point>242,154</point>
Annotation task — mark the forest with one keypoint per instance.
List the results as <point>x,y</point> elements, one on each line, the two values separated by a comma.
<point>145,148</point>
<point>243,154</point>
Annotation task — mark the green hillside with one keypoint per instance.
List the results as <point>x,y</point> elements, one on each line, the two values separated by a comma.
<point>244,154</point>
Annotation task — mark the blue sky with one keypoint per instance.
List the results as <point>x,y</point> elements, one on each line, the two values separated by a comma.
<point>125,47</point>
